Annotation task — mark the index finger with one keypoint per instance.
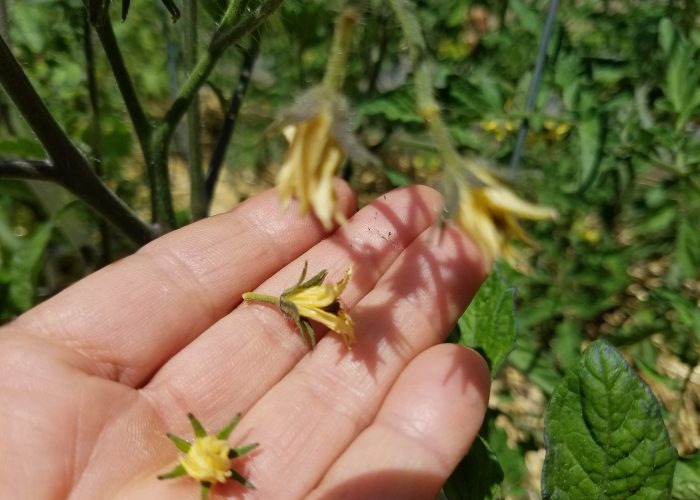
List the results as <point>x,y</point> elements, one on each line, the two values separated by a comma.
<point>132,316</point>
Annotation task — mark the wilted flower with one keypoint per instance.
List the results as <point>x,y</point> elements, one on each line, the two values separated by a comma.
<point>208,458</point>
<point>313,300</point>
<point>318,130</point>
<point>488,212</point>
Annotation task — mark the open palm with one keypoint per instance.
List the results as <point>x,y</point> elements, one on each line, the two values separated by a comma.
<point>91,380</point>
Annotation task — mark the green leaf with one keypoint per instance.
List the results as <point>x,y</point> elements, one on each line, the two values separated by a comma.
<point>604,434</point>
<point>478,476</point>
<point>398,105</point>
<point>489,323</point>
<point>396,178</point>
<point>25,267</point>
<point>529,18</point>
<point>21,147</point>
<point>686,480</point>
<point>688,249</point>
<point>591,139</point>
<point>667,35</point>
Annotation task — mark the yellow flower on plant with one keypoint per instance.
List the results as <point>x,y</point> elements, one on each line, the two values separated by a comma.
<point>555,130</point>
<point>500,128</point>
<point>488,211</point>
<point>320,139</point>
<point>208,457</point>
<point>313,300</point>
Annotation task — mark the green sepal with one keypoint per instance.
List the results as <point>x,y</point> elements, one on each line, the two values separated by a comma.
<point>237,477</point>
<point>181,444</point>
<point>226,431</point>
<point>315,280</point>
<point>178,471</point>
<point>289,309</point>
<point>307,332</point>
<point>204,488</point>
<point>243,450</point>
<point>196,426</point>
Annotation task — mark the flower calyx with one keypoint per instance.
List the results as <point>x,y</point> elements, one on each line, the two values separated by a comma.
<point>208,457</point>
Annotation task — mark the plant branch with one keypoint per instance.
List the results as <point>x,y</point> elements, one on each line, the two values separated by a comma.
<point>428,107</point>
<point>70,167</point>
<point>139,118</point>
<point>198,203</point>
<point>38,170</point>
<point>217,158</point>
<point>342,39</point>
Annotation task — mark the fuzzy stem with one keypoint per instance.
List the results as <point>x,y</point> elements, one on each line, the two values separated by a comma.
<point>261,297</point>
<point>342,38</point>
<point>428,107</point>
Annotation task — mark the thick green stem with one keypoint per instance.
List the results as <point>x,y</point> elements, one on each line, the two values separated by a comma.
<point>342,38</point>
<point>198,202</point>
<point>428,107</point>
<point>70,168</point>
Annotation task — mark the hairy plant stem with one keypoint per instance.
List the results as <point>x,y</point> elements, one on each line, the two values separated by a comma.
<point>261,297</point>
<point>342,38</point>
<point>198,203</point>
<point>70,167</point>
<point>428,107</point>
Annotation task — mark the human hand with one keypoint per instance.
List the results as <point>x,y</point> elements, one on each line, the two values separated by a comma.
<point>92,379</point>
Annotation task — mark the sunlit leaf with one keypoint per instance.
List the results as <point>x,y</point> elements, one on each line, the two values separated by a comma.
<point>604,434</point>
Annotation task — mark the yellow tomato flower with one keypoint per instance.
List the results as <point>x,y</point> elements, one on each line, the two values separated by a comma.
<point>320,303</point>
<point>318,130</point>
<point>313,300</point>
<point>313,159</point>
<point>208,460</point>
<point>488,211</point>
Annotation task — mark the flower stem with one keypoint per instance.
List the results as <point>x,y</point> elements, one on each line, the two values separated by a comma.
<point>428,107</point>
<point>342,38</point>
<point>261,297</point>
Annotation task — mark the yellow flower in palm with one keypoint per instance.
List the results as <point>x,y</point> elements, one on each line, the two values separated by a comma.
<point>488,211</point>
<point>320,303</point>
<point>313,300</point>
<point>318,130</point>
<point>208,458</point>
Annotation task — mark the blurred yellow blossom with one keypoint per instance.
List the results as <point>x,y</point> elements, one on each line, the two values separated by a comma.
<point>501,128</point>
<point>320,139</point>
<point>488,211</point>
